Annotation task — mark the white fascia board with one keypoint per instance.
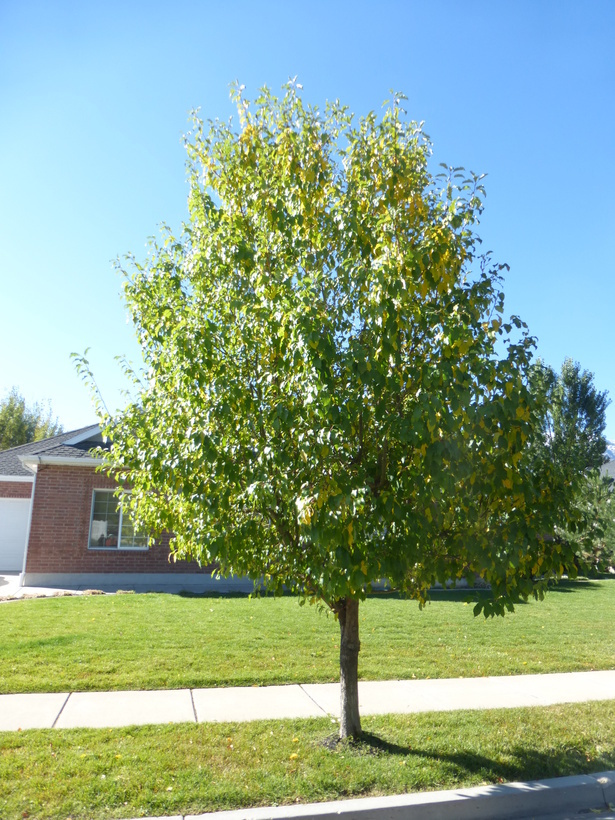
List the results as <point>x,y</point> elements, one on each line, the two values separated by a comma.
<point>22,479</point>
<point>34,461</point>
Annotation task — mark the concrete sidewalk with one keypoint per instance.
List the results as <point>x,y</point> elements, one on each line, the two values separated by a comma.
<point>112,709</point>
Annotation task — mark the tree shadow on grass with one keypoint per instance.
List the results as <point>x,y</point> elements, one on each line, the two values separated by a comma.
<point>460,595</point>
<point>515,763</point>
<point>186,593</point>
<point>577,585</point>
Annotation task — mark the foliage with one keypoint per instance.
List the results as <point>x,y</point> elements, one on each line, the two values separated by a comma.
<point>573,419</point>
<point>570,437</point>
<point>593,539</point>
<point>326,401</point>
<point>20,424</point>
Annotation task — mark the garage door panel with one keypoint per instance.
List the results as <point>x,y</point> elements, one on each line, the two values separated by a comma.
<point>14,513</point>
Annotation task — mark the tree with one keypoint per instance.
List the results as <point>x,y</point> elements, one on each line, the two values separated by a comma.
<point>20,424</point>
<point>593,535</point>
<point>570,425</point>
<point>324,405</point>
<point>573,419</point>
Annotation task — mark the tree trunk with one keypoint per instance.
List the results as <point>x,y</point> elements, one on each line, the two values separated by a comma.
<point>350,722</point>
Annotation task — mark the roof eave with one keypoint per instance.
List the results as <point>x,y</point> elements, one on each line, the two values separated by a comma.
<point>33,461</point>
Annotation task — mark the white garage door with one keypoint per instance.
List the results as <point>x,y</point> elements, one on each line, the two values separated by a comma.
<point>13,527</point>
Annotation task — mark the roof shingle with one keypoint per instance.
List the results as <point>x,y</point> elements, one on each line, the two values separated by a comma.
<point>10,463</point>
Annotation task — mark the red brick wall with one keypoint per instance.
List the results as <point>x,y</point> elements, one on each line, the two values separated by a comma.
<point>61,526</point>
<point>15,489</point>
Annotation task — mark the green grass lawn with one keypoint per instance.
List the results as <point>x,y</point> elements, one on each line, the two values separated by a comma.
<point>158,770</point>
<point>168,641</point>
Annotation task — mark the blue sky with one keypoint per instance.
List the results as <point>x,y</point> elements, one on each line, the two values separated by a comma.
<point>94,99</point>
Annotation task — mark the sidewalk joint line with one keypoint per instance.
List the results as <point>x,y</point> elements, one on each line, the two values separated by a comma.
<point>315,702</point>
<point>196,720</point>
<point>53,725</point>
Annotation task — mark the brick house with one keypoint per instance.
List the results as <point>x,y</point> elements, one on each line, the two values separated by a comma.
<point>62,526</point>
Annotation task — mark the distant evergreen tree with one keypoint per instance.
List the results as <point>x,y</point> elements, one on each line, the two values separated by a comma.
<point>571,426</point>
<point>574,417</point>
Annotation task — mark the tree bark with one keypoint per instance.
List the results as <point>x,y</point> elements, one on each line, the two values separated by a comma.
<point>348,614</point>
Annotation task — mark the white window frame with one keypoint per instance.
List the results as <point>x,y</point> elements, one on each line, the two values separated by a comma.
<point>119,546</point>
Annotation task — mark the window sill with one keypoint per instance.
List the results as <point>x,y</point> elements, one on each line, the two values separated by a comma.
<point>118,549</point>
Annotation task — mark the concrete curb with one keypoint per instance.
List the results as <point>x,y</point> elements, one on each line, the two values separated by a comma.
<point>510,801</point>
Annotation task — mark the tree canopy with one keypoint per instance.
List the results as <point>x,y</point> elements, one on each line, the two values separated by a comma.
<point>573,420</point>
<point>570,438</point>
<point>20,423</point>
<point>333,395</point>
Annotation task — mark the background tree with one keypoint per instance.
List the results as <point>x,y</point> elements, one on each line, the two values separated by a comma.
<point>570,423</point>
<point>20,424</point>
<point>573,419</point>
<point>594,538</point>
<point>324,405</point>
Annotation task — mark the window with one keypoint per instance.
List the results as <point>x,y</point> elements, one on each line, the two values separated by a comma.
<point>110,527</point>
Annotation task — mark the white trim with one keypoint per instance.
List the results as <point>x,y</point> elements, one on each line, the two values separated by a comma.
<point>115,550</point>
<point>20,479</point>
<point>84,436</point>
<point>84,461</point>
<point>25,552</point>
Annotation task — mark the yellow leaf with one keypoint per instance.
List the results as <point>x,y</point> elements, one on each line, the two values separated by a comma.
<point>294,756</point>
